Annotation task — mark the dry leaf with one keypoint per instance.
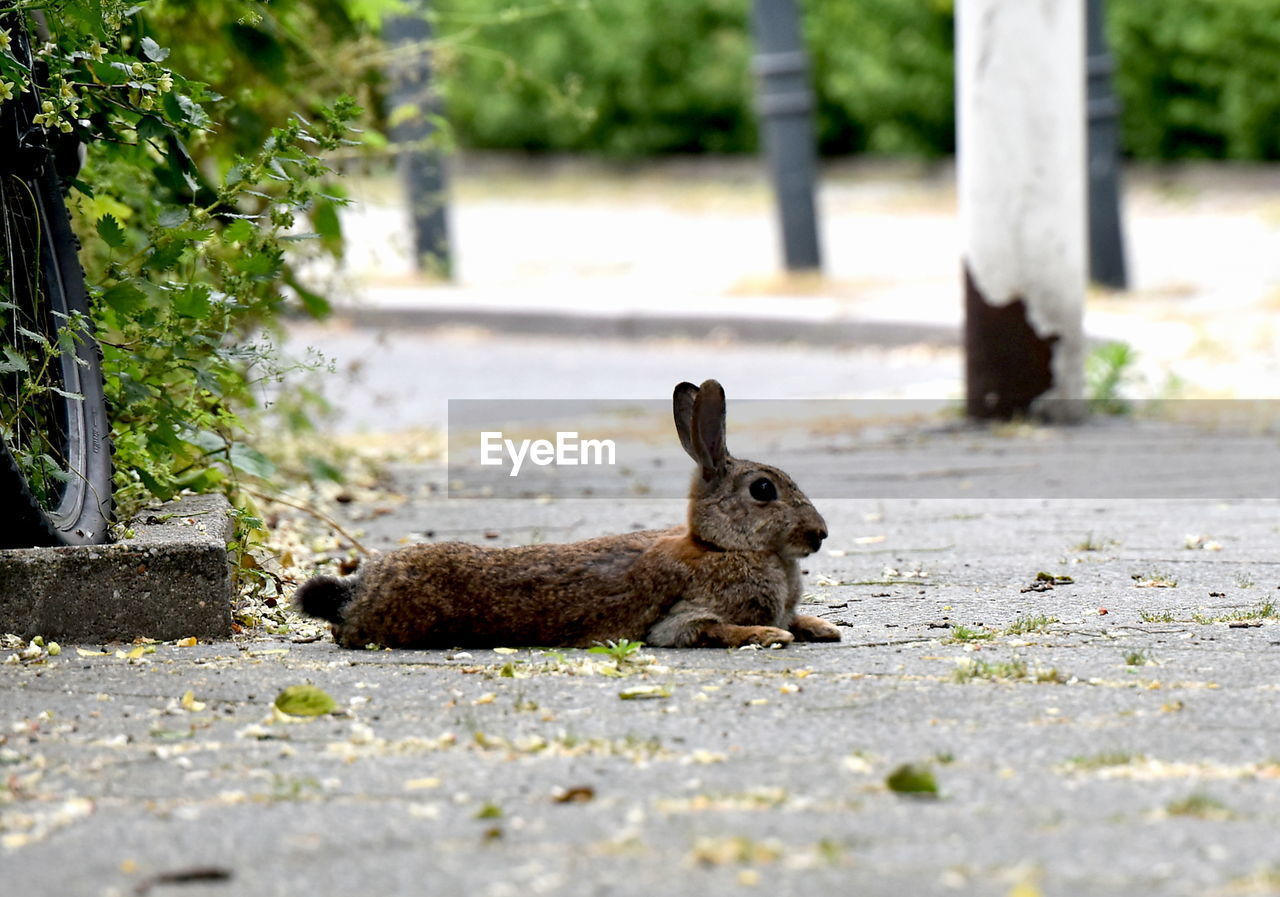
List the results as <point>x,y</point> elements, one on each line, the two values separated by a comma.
<point>642,692</point>
<point>578,794</point>
<point>421,784</point>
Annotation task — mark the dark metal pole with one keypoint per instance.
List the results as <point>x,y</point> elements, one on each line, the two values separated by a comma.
<point>785,103</point>
<point>1106,241</point>
<point>410,105</point>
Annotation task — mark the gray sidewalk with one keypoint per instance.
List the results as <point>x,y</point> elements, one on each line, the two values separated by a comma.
<point>1112,734</point>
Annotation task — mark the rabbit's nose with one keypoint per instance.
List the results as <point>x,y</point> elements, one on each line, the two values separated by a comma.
<point>815,537</point>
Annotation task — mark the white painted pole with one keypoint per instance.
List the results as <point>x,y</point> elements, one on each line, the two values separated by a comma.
<point>1022,199</point>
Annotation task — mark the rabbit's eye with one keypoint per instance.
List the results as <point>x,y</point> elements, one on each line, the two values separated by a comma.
<point>764,490</point>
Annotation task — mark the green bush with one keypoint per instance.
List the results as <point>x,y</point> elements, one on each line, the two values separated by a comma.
<point>625,77</point>
<point>190,226</point>
<point>1198,78</point>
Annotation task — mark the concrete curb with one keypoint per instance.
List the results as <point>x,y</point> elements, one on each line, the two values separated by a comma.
<point>170,580</point>
<point>630,325</point>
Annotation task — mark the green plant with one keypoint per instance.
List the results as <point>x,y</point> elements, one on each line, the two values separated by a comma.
<point>1037,623</point>
<point>966,634</point>
<point>622,651</point>
<point>1104,760</point>
<point>1016,670</point>
<point>1139,658</point>
<point>1202,79</point>
<point>1199,806</point>
<point>191,205</point>
<point>1107,370</point>
<point>1091,543</point>
<point>1265,611</point>
<point>1163,616</point>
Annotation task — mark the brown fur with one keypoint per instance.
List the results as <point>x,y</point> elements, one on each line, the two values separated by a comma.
<point>729,577</point>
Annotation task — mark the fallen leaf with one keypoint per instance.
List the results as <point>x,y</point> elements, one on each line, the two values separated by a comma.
<point>910,778</point>
<point>505,651</point>
<point>422,784</point>
<point>578,794</point>
<point>85,652</point>
<point>486,698</point>
<point>188,642</point>
<point>190,703</point>
<point>642,692</point>
<point>304,700</point>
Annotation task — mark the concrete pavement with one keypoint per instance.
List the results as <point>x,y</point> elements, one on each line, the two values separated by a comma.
<point>1111,734</point>
<point>1114,733</point>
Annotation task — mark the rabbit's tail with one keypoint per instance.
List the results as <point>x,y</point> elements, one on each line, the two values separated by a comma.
<point>325,597</point>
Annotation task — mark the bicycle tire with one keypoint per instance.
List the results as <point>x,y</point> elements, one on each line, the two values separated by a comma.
<point>39,256</point>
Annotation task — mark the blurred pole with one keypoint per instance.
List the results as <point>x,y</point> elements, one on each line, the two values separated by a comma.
<point>1106,240</point>
<point>1021,191</point>
<point>785,102</point>
<point>411,103</point>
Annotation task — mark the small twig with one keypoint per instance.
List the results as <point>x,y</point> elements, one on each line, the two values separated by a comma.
<point>182,877</point>
<point>307,509</point>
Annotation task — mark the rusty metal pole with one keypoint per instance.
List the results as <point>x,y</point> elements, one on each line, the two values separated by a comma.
<point>1021,192</point>
<point>784,100</point>
<point>411,104</point>
<point>1106,239</point>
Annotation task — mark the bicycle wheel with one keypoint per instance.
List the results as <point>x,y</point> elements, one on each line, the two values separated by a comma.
<point>55,454</point>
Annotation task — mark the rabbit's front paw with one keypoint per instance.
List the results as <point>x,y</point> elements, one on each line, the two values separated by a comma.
<point>813,629</point>
<point>730,635</point>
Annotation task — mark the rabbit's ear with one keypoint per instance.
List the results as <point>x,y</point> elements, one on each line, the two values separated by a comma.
<point>682,403</point>
<point>709,447</point>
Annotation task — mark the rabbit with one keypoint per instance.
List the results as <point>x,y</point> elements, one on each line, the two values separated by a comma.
<point>728,577</point>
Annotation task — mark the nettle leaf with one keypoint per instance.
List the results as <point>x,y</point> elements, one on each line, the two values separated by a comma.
<point>154,51</point>
<point>316,305</point>
<point>165,257</point>
<point>111,232</point>
<point>324,217</point>
<point>193,302</point>
<point>124,298</point>
<point>205,440</point>
<point>259,264</point>
<point>191,110</point>
<point>249,460</point>
<point>239,231</point>
<point>173,217</point>
<point>13,362</point>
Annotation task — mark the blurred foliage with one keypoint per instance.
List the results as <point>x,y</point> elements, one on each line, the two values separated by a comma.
<point>208,126</point>
<point>1198,78</point>
<point>638,77</point>
<point>626,77</point>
